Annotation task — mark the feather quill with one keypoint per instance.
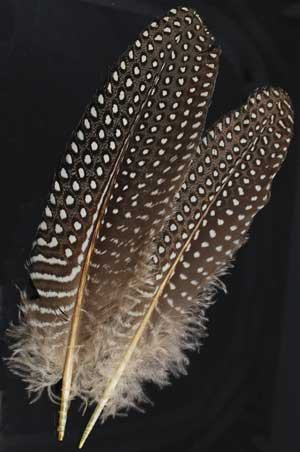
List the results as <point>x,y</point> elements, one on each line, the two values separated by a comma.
<point>143,217</point>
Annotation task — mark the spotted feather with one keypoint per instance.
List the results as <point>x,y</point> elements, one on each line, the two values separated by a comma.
<point>229,182</point>
<point>137,135</point>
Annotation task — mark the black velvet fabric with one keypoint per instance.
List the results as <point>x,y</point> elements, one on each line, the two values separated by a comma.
<point>238,393</point>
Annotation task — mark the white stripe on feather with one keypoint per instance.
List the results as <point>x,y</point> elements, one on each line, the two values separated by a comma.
<point>34,322</point>
<point>54,294</point>
<point>47,260</point>
<point>36,307</point>
<point>53,277</point>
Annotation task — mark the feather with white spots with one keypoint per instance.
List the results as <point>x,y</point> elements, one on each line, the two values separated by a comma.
<point>228,183</point>
<point>135,139</point>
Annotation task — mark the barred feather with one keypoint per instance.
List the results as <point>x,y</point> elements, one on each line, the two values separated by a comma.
<point>142,220</point>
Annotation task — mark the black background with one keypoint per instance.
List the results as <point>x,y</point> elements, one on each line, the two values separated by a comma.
<point>242,391</point>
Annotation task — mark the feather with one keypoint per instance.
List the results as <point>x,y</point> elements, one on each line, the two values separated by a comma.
<point>229,182</point>
<point>143,218</point>
<point>149,117</point>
